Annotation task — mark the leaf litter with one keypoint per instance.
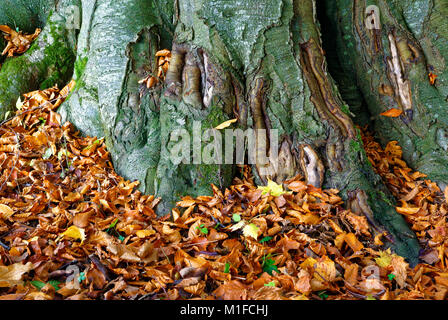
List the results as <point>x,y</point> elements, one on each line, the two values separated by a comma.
<point>18,42</point>
<point>72,228</point>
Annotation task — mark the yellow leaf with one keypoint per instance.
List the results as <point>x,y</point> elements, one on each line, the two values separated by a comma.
<point>19,104</point>
<point>377,239</point>
<point>163,53</point>
<point>5,211</point>
<point>144,233</point>
<point>325,270</point>
<point>225,124</point>
<point>75,233</point>
<point>308,263</point>
<point>273,189</point>
<point>31,240</point>
<point>408,210</point>
<point>384,259</point>
<point>335,226</point>
<point>251,230</point>
<point>339,240</point>
<point>432,78</point>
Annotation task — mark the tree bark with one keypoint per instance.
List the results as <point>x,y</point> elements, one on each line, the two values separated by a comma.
<point>410,44</point>
<point>261,62</point>
<point>49,60</point>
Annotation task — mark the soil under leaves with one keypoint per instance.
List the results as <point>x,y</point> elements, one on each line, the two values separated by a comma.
<point>72,228</point>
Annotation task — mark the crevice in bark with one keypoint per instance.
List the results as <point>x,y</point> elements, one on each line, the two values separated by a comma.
<point>390,65</point>
<point>348,88</point>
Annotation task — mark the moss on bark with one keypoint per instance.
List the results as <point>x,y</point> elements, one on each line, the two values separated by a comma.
<point>48,62</point>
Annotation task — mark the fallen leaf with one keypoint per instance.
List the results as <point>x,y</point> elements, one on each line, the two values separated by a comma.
<point>384,259</point>
<point>226,124</point>
<point>12,275</point>
<point>392,113</point>
<point>273,189</point>
<point>74,232</point>
<point>251,230</point>
<point>5,211</point>
<point>353,242</point>
<point>432,78</point>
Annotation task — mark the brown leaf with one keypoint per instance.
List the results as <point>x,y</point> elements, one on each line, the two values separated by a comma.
<point>12,275</point>
<point>232,290</point>
<point>303,284</point>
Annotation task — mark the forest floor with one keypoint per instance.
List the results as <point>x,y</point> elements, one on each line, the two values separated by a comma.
<point>72,228</point>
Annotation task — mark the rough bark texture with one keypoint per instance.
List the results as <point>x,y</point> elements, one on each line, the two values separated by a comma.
<point>364,59</point>
<point>50,59</point>
<point>259,61</point>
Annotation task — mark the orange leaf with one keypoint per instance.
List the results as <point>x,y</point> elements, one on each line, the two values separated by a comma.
<point>404,210</point>
<point>297,186</point>
<point>446,194</point>
<point>392,113</point>
<point>351,274</point>
<point>353,242</point>
<point>432,78</point>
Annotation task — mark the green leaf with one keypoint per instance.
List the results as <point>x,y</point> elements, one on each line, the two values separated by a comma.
<point>270,284</point>
<point>82,276</point>
<point>236,217</point>
<point>370,297</point>
<point>391,276</point>
<point>265,239</point>
<point>113,224</point>
<point>323,295</point>
<point>121,238</point>
<point>38,284</point>
<point>97,141</point>
<point>227,268</point>
<point>268,265</point>
<point>55,284</point>
<point>202,229</point>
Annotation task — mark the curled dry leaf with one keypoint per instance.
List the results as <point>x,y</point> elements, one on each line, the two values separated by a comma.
<point>18,42</point>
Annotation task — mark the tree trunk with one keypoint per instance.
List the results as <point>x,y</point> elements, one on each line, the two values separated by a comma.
<point>260,61</point>
<point>49,60</point>
<point>416,33</point>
